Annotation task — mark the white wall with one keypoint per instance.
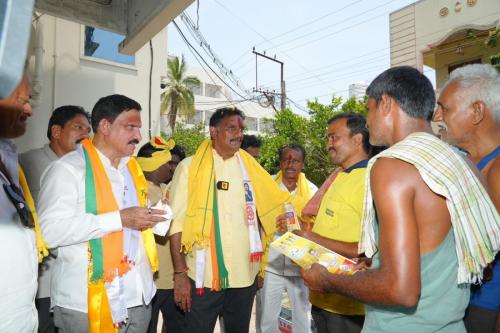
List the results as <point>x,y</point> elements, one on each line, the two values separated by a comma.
<point>68,77</point>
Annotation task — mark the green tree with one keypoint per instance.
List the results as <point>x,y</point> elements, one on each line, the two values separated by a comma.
<point>178,99</point>
<point>188,138</point>
<point>310,132</point>
<point>489,45</point>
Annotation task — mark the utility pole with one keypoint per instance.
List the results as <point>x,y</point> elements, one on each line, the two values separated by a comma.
<point>283,91</point>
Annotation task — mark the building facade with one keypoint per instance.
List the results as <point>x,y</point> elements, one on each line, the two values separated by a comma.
<point>443,34</point>
<point>75,64</point>
<point>358,90</point>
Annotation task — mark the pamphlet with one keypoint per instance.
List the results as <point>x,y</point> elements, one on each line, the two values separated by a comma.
<point>161,228</point>
<point>305,253</point>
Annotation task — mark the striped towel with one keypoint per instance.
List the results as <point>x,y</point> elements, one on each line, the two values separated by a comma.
<point>475,220</point>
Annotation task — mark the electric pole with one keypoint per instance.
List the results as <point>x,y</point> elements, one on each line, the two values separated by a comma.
<point>283,91</point>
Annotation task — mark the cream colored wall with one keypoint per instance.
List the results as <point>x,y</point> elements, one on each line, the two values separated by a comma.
<point>68,77</point>
<point>418,27</point>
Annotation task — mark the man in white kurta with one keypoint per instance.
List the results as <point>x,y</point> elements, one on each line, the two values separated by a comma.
<point>67,226</point>
<point>281,274</point>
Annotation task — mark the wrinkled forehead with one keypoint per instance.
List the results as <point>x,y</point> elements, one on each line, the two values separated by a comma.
<point>290,154</point>
<point>234,120</point>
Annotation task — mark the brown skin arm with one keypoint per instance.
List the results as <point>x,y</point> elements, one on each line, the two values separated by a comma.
<point>182,284</point>
<point>397,281</point>
<point>349,250</point>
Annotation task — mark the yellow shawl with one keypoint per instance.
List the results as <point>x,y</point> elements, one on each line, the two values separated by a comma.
<point>303,194</point>
<point>269,198</point>
<point>42,248</point>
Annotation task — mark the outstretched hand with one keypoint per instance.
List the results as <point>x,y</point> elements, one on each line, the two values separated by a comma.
<point>140,218</point>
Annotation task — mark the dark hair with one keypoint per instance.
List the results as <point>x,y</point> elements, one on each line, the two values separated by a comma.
<point>147,150</point>
<point>251,141</point>
<point>411,89</point>
<point>356,124</point>
<point>222,113</point>
<point>61,115</point>
<point>292,146</point>
<point>179,151</point>
<point>110,107</point>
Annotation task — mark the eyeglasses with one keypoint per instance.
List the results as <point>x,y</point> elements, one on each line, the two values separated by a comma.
<point>17,199</point>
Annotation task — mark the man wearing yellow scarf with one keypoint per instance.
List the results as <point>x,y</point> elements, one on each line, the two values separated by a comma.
<point>281,274</point>
<point>92,208</point>
<point>214,237</point>
<point>19,238</point>
<point>158,159</point>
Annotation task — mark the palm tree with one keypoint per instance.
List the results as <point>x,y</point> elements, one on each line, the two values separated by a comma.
<point>177,98</point>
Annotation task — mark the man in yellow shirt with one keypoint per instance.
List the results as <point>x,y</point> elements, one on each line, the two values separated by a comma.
<point>337,225</point>
<point>215,226</point>
<point>158,159</point>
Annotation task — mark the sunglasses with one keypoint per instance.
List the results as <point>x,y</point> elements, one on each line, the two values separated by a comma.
<point>16,197</point>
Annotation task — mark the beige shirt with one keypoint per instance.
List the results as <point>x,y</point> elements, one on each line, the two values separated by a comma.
<point>233,222</point>
<point>164,276</point>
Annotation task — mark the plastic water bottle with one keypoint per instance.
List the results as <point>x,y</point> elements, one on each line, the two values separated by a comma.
<point>292,222</point>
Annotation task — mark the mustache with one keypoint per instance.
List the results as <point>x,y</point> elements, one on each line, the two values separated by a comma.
<point>79,140</point>
<point>236,140</point>
<point>331,149</point>
<point>133,142</point>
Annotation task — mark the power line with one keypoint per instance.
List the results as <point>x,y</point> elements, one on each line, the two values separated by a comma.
<point>196,33</point>
<point>263,37</point>
<point>336,11</point>
<point>302,85</point>
<point>334,24</point>
<point>336,71</point>
<point>340,91</point>
<point>383,49</point>
<point>201,57</point>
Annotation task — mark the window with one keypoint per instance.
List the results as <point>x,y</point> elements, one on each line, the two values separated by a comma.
<point>208,114</point>
<point>196,118</point>
<point>195,89</point>
<point>251,123</point>
<point>212,90</point>
<point>104,45</point>
<point>266,125</point>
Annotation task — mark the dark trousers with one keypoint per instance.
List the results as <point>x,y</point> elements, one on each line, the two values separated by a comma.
<point>480,320</point>
<point>45,317</point>
<point>329,322</point>
<point>234,304</point>
<point>173,317</point>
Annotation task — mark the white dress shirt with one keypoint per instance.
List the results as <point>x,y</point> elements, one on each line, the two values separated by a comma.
<point>18,257</point>
<point>66,226</point>
<point>34,163</point>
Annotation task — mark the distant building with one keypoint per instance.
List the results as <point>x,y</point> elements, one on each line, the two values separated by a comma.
<point>358,90</point>
<point>436,33</point>
<point>213,94</point>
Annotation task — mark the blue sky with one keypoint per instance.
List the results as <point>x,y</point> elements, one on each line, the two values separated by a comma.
<point>325,45</point>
